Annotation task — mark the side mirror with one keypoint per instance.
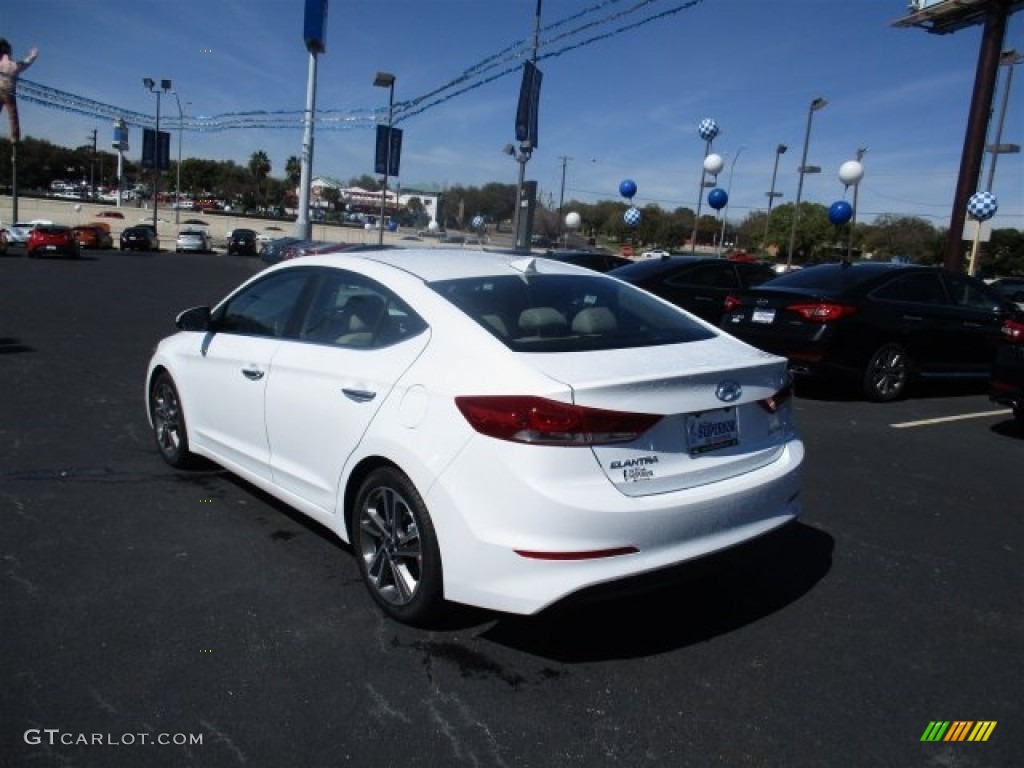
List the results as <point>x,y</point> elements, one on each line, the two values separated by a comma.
<point>194,319</point>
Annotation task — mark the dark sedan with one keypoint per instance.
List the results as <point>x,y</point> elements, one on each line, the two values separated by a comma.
<point>599,261</point>
<point>697,284</point>
<point>242,242</point>
<point>140,238</point>
<point>1006,385</point>
<point>880,324</point>
<point>270,252</point>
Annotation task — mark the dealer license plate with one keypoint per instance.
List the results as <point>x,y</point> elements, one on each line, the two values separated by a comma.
<point>712,430</point>
<point>763,316</point>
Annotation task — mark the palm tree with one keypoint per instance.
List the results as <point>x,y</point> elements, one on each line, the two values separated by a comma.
<point>293,170</point>
<point>259,167</point>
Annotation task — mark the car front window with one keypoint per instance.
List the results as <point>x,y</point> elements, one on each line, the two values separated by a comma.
<point>352,311</point>
<point>264,307</point>
<point>568,313</point>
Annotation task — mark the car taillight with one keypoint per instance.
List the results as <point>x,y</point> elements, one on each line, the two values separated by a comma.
<point>732,302</point>
<point>822,311</point>
<point>774,403</point>
<point>534,420</point>
<point>1013,330</point>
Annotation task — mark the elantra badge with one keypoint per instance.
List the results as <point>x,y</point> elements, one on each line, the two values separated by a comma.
<point>728,391</point>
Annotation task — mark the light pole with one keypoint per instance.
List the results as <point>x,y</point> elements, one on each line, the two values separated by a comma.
<point>150,86</point>
<point>386,80</point>
<point>177,183</point>
<point>772,194</point>
<point>522,157</point>
<point>1009,59</point>
<point>804,168</point>
<point>561,202</point>
<point>728,192</point>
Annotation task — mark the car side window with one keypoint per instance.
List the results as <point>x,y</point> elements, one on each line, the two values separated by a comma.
<point>917,287</point>
<point>970,293</point>
<point>263,308</point>
<point>351,311</point>
<point>707,275</point>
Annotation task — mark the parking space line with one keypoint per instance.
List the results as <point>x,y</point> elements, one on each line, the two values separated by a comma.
<point>942,420</point>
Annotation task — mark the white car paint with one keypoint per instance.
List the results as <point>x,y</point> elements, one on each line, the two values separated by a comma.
<point>298,419</point>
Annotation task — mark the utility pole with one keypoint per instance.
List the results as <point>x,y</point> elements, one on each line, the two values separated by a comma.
<point>92,169</point>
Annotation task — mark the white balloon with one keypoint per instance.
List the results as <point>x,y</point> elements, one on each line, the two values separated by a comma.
<point>851,172</point>
<point>713,163</point>
<point>573,220</point>
<point>78,206</point>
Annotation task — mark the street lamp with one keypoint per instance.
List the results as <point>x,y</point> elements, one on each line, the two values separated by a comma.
<point>804,168</point>
<point>150,86</point>
<point>728,192</point>
<point>177,183</point>
<point>522,157</point>
<point>1009,59</point>
<point>772,194</point>
<point>386,80</point>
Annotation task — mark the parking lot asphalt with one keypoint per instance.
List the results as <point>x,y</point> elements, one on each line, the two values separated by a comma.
<point>142,605</point>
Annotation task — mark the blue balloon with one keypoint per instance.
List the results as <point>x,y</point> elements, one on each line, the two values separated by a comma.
<point>627,188</point>
<point>840,212</point>
<point>718,198</point>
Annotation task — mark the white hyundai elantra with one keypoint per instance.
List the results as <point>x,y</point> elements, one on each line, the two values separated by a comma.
<point>494,430</point>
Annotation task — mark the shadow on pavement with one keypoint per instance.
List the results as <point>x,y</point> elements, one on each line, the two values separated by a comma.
<point>684,605</point>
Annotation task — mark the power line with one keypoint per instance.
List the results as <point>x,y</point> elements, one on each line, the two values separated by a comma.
<point>593,20</point>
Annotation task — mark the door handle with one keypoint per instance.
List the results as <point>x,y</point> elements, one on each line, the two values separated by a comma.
<point>358,395</point>
<point>251,374</point>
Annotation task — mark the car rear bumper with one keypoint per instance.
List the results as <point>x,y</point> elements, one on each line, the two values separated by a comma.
<point>519,547</point>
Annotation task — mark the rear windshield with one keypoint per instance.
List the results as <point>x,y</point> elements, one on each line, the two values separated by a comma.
<point>828,277</point>
<point>569,313</point>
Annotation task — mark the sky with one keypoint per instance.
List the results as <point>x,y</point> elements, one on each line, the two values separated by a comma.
<point>625,86</point>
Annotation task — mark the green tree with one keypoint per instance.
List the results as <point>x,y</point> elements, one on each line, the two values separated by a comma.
<point>293,170</point>
<point>259,167</point>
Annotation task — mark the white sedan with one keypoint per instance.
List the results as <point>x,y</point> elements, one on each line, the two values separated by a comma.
<point>494,430</point>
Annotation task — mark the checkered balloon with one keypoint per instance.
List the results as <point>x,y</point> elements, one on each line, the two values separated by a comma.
<point>982,206</point>
<point>631,216</point>
<point>707,129</point>
<point>478,222</point>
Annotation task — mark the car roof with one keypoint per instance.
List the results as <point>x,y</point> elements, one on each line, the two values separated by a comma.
<point>434,264</point>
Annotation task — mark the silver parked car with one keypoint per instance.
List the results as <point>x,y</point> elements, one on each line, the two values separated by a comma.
<point>194,240</point>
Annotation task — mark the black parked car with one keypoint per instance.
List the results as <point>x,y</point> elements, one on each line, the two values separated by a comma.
<point>697,284</point>
<point>880,324</point>
<point>599,261</point>
<point>1006,385</point>
<point>242,242</point>
<point>141,237</point>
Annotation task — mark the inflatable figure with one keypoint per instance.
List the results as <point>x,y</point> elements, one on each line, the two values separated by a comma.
<point>9,72</point>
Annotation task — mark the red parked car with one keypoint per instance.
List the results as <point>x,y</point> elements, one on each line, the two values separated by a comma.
<point>52,240</point>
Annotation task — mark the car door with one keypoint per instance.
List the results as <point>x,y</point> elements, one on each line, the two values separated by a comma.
<point>702,288</point>
<point>910,307</point>
<point>974,326</point>
<point>229,373</point>
<point>354,342</point>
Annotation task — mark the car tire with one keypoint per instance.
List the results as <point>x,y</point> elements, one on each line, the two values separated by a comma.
<point>170,431</point>
<point>887,373</point>
<point>396,547</point>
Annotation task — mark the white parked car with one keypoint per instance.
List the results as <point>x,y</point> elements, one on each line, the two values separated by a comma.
<point>18,232</point>
<point>495,430</point>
